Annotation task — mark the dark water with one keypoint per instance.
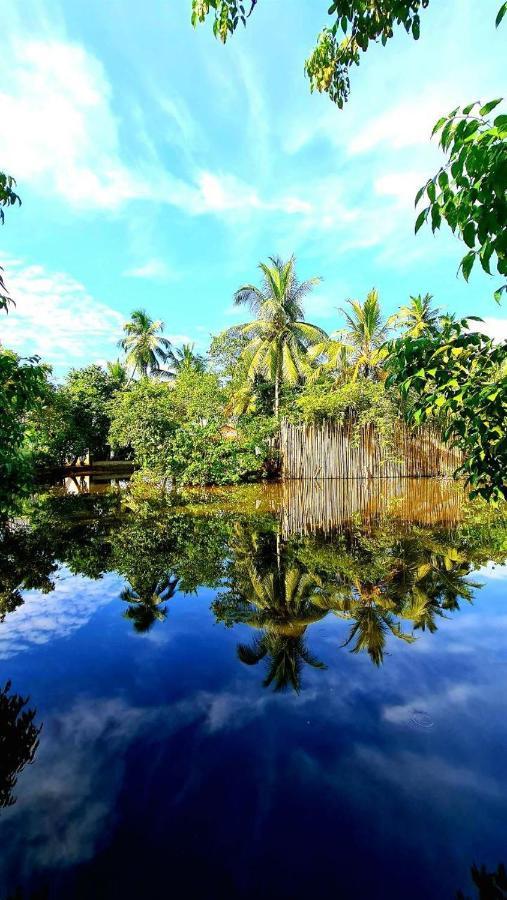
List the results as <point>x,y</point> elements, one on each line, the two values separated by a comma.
<point>253,693</point>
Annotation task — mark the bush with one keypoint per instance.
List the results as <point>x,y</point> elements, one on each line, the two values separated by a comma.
<point>144,420</point>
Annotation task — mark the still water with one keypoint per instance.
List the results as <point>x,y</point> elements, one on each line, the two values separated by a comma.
<point>261,692</point>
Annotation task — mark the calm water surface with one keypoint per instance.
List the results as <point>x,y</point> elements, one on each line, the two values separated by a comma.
<point>262,692</point>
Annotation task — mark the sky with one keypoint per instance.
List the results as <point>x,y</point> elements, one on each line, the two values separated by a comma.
<point>158,167</point>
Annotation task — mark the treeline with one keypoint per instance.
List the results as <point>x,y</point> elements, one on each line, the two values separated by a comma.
<point>212,419</point>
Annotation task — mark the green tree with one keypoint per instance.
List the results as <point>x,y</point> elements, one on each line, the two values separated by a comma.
<point>146,349</point>
<point>329,64</point>
<point>144,419</point>
<point>186,359</point>
<point>417,317</point>
<point>359,23</point>
<point>76,418</point>
<point>23,385</point>
<point>366,331</point>
<point>461,377</point>
<point>117,373</point>
<point>278,338</point>
<point>469,193</point>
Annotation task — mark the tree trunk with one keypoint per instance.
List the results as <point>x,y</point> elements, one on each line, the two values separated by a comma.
<point>277,392</point>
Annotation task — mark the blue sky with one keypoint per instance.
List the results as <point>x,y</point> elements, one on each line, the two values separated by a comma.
<point>157,167</point>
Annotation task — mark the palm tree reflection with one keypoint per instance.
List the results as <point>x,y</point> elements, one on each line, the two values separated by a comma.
<point>146,603</point>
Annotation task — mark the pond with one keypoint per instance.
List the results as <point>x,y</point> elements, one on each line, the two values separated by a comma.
<point>265,691</point>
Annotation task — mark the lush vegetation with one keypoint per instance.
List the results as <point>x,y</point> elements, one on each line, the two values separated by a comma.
<point>180,416</point>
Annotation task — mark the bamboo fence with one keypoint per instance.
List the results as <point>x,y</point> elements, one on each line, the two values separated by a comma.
<point>329,450</point>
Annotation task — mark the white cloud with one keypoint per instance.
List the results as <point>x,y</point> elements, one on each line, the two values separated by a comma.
<point>406,124</point>
<point>403,186</point>
<point>47,617</point>
<point>494,326</point>
<point>56,318</point>
<point>153,268</point>
<point>62,134</point>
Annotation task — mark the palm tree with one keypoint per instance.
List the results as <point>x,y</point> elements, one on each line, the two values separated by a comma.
<point>145,347</point>
<point>417,317</point>
<point>185,360</point>
<point>117,373</point>
<point>366,331</point>
<point>278,337</point>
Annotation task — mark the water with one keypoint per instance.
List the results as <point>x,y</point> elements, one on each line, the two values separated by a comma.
<point>253,692</point>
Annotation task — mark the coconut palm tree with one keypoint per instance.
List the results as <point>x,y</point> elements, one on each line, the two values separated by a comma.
<point>366,331</point>
<point>186,360</point>
<point>117,373</point>
<point>145,347</point>
<point>417,316</point>
<point>278,338</point>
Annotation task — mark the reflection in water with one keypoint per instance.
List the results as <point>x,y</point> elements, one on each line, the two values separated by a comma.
<point>19,740</point>
<point>145,604</point>
<point>386,577</point>
<point>254,586</point>
<point>489,885</point>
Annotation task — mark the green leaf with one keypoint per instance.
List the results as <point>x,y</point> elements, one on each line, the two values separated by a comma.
<point>469,234</point>
<point>421,218</point>
<point>467,264</point>
<point>439,125</point>
<point>501,14</point>
<point>484,110</point>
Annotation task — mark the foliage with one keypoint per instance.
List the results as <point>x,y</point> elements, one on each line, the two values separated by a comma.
<point>366,331</point>
<point>22,388</point>
<point>469,193</point>
<point>360,402</point>
<point>185,359</point>
<point>417,316</point>
<point>198,396</point>
<point>331,60</point>
<point>278,337</point>
<point>8,197</point>
<point>146,349</point>
<point>462,376</point>
<point>19,740</point>
<point>144,418</point>
<point>199,454</point>
<point>75,418</point>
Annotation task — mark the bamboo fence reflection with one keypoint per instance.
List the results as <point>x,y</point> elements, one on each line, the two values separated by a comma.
<point>311,506</point>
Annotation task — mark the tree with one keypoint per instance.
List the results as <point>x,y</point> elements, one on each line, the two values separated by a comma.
<point>460,376</point>
<point>146,349</point>
<point>185,359</point>
<point>366,331</point>
<point>23,384</point>
<point>330,62</point>
<point>8,197</point>
<point>362,22</point>
<point>278,338</point>
<point>417,317</point>
<point>75,418</point>
<point>144,419</point>
<point>469,192</point>
<point>117,373</point>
